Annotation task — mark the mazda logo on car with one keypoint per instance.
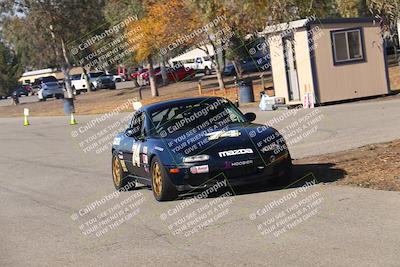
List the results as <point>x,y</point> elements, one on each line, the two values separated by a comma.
<point>235,152</point>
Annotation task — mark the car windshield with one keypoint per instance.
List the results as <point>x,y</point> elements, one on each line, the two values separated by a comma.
<point>75,77</point>
<point>188,116</point>
<point>49,79</point>
<point>96,74</point>
<point>51,84</point>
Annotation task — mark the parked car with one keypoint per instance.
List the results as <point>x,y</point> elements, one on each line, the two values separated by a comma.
<point>176,74</point>
<point>146,74</point>
<point>248,65</point>
<point>79,84</point>
<point>105,82</point>
<point>117,78</point>
<point>136,74</point>
<point>20,91</point>
<point>4,95</point>
<point>37,82</point>
<point>50,90</point>
<point>144,152</point>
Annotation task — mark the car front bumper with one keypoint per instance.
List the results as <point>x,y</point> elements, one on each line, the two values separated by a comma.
<point>252,174</point>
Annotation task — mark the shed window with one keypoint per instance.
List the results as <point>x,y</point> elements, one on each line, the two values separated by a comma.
<point>347,46</point>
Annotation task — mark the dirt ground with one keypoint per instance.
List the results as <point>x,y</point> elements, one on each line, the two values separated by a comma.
<point>374,166</point>
<point>103,101</point>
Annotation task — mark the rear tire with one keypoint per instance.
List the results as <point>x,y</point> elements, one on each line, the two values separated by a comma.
<point>207,71</point>
<point>161,185</point>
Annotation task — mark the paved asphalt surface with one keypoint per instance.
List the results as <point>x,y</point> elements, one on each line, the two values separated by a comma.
<point>53,194</point>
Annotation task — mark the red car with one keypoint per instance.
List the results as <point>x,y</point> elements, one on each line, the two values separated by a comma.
<point>177,74</point>
<point>180,74</point>
<point>173,74</point>
<point>135,75</point>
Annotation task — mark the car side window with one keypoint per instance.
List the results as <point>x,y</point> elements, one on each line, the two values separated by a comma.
<point>137,123</point>
<point>132,122</point>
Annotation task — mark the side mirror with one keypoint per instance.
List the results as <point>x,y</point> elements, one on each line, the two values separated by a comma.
<point>130,132</point>
<point>250,116</point>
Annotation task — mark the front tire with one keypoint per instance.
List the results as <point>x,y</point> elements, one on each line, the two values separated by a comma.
<point>161,185</point>
<point>286,178</point>
<point>118,173</point>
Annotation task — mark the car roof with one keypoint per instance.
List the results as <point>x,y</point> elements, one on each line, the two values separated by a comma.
<point>173,102</point>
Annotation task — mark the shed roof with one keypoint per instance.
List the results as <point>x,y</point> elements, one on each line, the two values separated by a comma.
<point>310,21</point>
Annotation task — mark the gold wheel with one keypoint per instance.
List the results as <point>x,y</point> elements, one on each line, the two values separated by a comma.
<point>157,179</point>
<point>116,172</point>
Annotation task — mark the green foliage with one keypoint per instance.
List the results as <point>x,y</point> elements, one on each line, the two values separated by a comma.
<point>10,70</point>
<point>37,29</point>
<point>114,11</point>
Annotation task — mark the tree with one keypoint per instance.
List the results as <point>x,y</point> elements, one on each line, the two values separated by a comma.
<point>112,14</point>
<point>161,25</point>
<point>389,14</point>
<point>207,11</point>
<point>10,70</point>
<point>50,26</point>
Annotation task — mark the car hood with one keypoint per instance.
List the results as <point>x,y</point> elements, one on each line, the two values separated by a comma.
<point>233,137</point>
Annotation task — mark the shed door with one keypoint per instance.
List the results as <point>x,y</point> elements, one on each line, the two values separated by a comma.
<point>291,68</point>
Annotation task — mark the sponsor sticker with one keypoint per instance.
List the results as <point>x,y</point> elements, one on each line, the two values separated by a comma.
<point>136,154</point>
<point>145,159</point>
<point>199,169</point>
<point>229,153</point>
<point>123,165</point>
<point>241,163</point>
<point>219,134</point>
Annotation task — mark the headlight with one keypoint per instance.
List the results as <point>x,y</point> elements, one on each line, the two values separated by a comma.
<point>195,158</point>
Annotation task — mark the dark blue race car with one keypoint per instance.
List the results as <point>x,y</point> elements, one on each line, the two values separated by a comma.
<point>190,144</point>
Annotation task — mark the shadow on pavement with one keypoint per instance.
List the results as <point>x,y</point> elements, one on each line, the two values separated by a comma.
<point>302,173</point>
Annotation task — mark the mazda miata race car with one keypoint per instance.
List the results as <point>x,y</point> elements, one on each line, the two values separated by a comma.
<point>190,144</point>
